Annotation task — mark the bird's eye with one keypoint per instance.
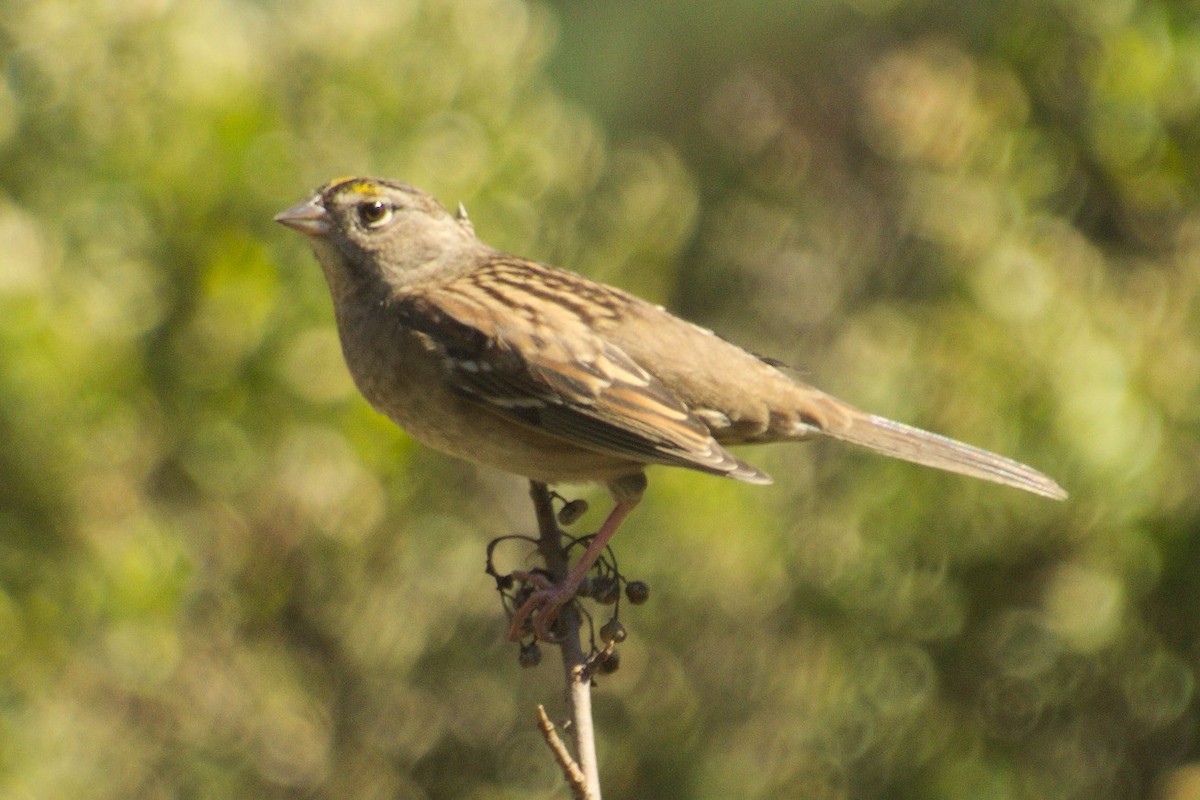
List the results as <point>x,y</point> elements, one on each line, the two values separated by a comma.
<point>374,213</point>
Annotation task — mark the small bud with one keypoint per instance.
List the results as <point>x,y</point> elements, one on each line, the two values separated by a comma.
<point>638,592</point>
<point>613,632</point>
<point>572,511</point>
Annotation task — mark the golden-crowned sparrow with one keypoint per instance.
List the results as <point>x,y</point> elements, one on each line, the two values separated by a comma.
<point>507,362</point>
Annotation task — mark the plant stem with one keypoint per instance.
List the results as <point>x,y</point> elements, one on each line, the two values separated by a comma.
<point>579,684</point>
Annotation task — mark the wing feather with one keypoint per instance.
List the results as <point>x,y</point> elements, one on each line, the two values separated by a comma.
<point>541,364</point>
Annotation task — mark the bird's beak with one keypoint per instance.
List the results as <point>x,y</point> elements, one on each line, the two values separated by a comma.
<point>309,217</point>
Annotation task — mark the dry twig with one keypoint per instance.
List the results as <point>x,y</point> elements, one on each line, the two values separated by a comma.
<point>571,771</point>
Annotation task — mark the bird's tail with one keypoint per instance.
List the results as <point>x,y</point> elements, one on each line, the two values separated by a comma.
<point>905,442</point>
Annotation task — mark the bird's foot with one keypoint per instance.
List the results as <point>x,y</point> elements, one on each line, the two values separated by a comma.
<point>538,613</point>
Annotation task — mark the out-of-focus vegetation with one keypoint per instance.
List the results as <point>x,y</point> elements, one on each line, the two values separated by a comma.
<point>223,576</point>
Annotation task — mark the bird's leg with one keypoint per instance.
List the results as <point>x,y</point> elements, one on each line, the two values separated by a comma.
<point>546,601</point>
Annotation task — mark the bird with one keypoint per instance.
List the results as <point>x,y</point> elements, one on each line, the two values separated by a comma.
<point>505,361</point>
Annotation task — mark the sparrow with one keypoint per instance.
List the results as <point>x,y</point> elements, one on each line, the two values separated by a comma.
<point>537,371</point>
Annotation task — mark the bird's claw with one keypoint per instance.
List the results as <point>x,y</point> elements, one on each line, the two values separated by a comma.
<point>540,611</point>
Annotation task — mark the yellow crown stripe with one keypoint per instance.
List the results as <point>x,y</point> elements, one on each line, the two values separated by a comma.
<point>357,185</point>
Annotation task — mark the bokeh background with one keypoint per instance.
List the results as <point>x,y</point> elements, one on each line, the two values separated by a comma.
<point>223,576</point>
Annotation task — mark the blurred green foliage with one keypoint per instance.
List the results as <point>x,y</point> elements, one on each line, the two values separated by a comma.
<point>222,575</point>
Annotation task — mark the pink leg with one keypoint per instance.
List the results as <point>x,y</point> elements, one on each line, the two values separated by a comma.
<point>549,599</point>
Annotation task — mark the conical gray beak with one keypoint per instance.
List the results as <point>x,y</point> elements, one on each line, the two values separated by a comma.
<point>309,217</point>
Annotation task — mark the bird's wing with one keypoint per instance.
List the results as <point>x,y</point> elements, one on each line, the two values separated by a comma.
<point>519,339</point>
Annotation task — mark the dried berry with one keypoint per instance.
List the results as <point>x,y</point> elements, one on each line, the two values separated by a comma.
<point>530,655</point>
<point>638,592</point>
<point>572,511</point>
<point>608,663</point>
<point>613,632</point>
<point>606,590</point>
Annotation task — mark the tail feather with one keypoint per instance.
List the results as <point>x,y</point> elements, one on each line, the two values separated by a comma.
<point>932,450</point>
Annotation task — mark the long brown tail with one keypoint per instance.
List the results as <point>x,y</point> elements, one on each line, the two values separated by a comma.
<point>922,447</point>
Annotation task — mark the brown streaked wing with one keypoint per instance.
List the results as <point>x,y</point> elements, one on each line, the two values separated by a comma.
<point>516,338</point>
